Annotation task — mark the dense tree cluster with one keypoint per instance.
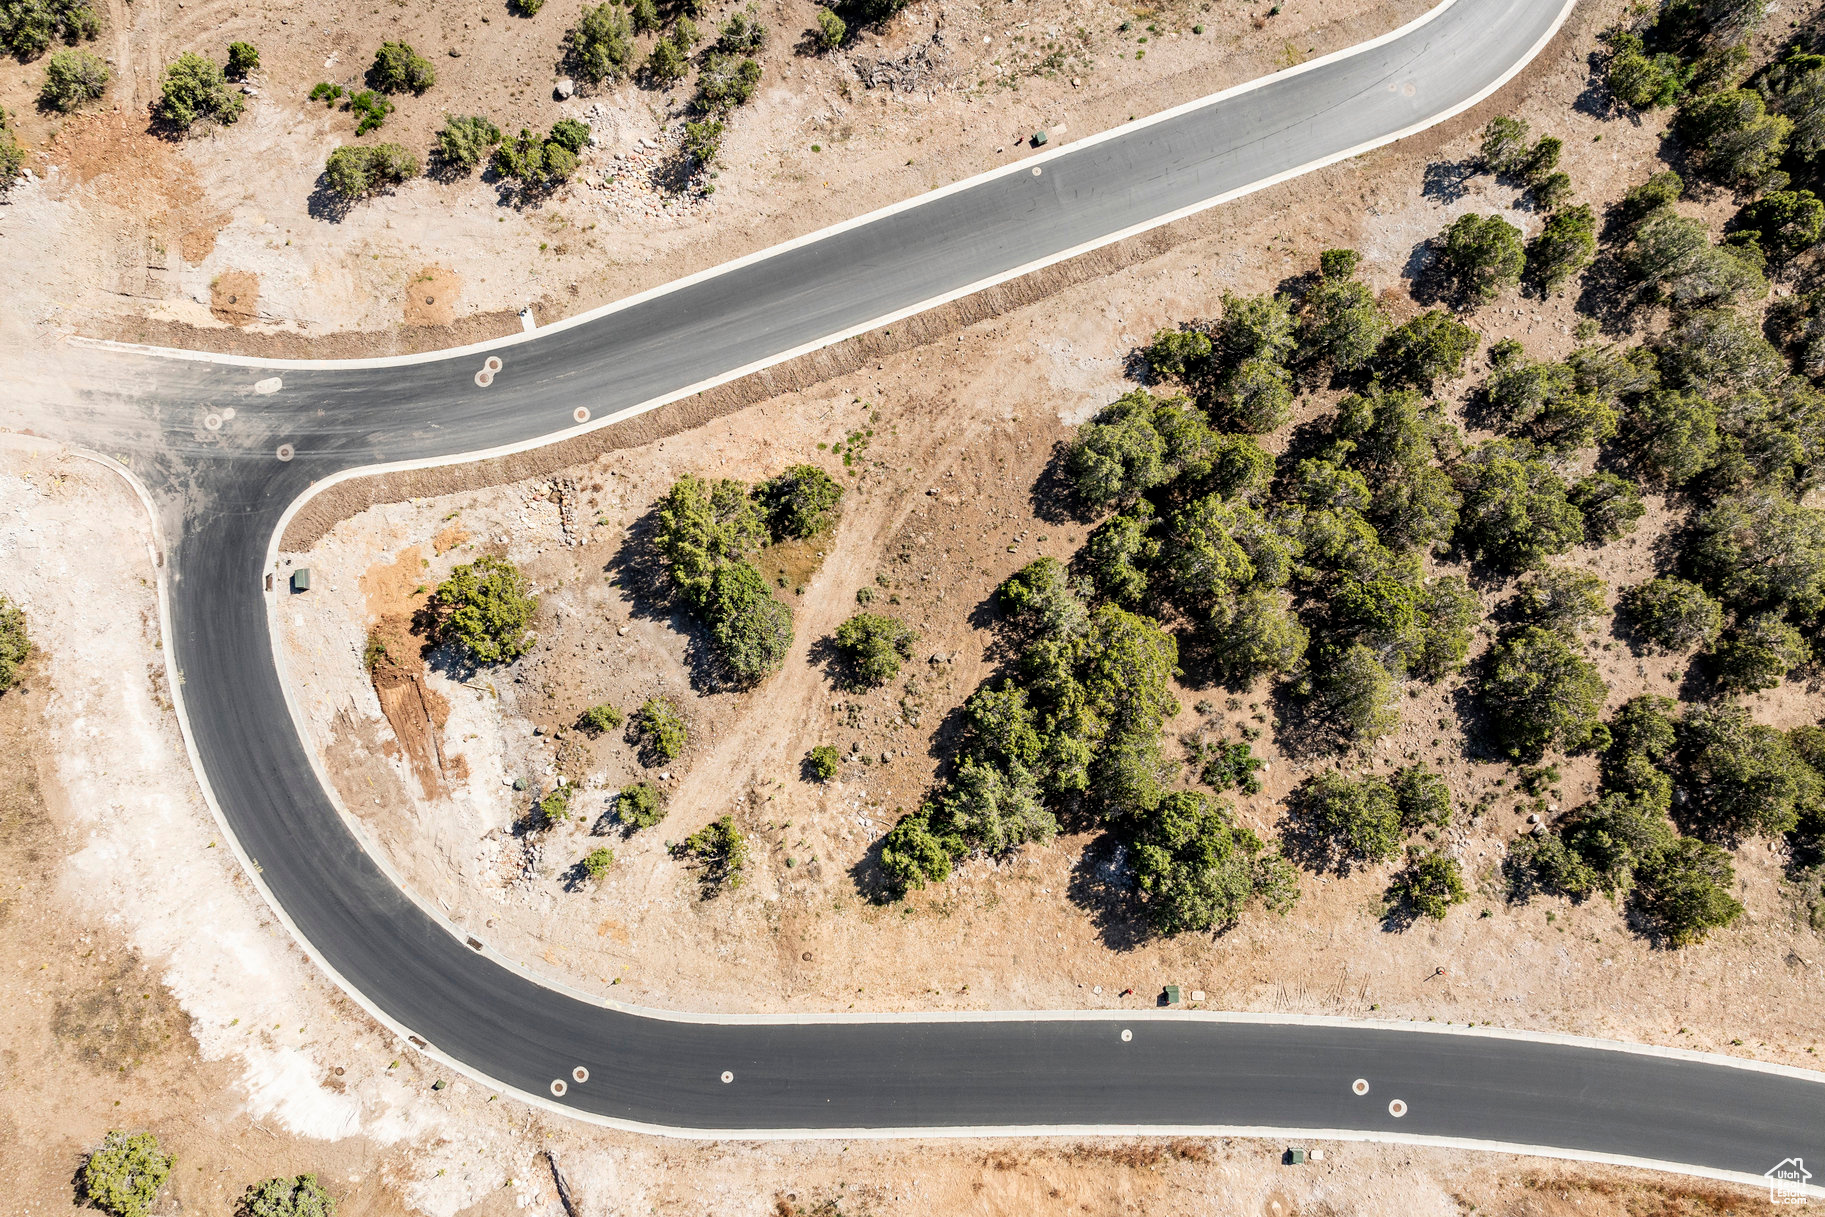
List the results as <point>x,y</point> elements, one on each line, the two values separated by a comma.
<point>1078,725</point>
<point>28,27</point>
<point>1721,775</point>
<point>709,534</point>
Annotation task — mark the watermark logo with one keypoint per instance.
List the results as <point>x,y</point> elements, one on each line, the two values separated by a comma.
<point>1787,1182</point>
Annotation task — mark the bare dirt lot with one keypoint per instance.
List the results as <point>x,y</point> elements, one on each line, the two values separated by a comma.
<point>130,234</point>
<point>143,985</point>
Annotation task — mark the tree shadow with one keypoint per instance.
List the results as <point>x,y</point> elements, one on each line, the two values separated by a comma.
<point>1609,295</point>
<point>1398,913</point>
<point>1425,269</point>
<point>1102,885</point>
<point>1448,181</point>
<point>641,573</point>
<point>326,204</point>
<point>870,879</point>
<point>1052,498</point>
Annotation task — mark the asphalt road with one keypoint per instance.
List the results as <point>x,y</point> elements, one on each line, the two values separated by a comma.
<point>221,492</point>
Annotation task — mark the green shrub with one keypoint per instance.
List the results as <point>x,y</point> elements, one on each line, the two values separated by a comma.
<point>1232,767</point>
<point>537,162</point>
<point>554,808</point>
<point>725,82</point>
<point>1429,884</point>
<point>527,8</point>
<point>829,31</point>
<point>12,156</point>
<point>667,63</point>
<point>702,139</point>
<point>464,142</point>
<point>293,1196</point>
<point>243,61</point>
<point>397,68</point>
<point>1347,822</point>
<point>1197,868</point>
<point>1505,146</point>
<point>1684,890</point>
<point>660,730</point>
<point>1483,255</point>
<point>1641,80</point>
<point>1558,598</point>
<point>823,762</point>
<point>1731,136</point>
<point>801,502</point>
<point>1356,693</point>
<point>1342,323</point>
<point>1431,347</point>
<point>1742,778</point>
<point>1566,244</point>
<point>598,720</point>
<point>912,855</point>
<point>1516,511</point>
<point>1042,601</point>
<point>1423,797</point>
<point>752,629</point>
<point>124,1175</point>
<point>640,805</point>
<point>28,27</point>
<point>1673,614</point>
<point>370,109</point>
<point>601,47</point>
<point>596,862</point>
<point>643,15</point>
<point>15,645</point>
<point>742,33</point>
<point>72,77</point>
<point>875,646</point>
<point>1540,693</point>
<point>194,89</point>
<point>1787,222</point>
<point>1758,652</point>
<point>721,851</point>
<point>483,608</point>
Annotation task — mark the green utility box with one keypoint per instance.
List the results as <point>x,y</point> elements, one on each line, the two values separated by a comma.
<point>301,579</point>
<point>1295,1157</point>
<point>1039,139</point>
<point>1172,995</point>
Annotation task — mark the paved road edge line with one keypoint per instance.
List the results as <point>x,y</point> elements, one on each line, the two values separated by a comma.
<point>507,341</point>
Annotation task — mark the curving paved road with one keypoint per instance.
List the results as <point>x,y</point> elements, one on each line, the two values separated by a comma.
<point>221,493</point>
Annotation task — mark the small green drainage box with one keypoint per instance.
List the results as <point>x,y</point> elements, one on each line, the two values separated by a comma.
<point>301,579</point>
